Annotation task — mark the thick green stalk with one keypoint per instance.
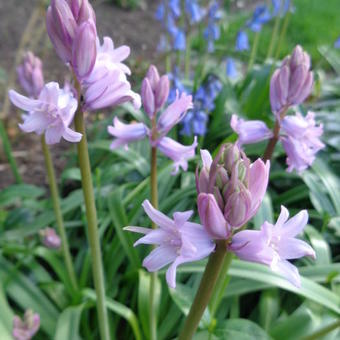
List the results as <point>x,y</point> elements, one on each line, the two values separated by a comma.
<point>154,202</point>
<point>9,154</point>
<point>323,331</point>
<point>57,210</point>
<point>221,284</point>
<point>254,50</point>
<point>204,291</point>
<point>92,225</point>
<point>274,37</point>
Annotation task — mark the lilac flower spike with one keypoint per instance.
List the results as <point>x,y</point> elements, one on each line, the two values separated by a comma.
<point>126,133</point>
<point>231,187</point>
<point>292,83</point>
<point>27,328</point>
<point>178,241</point>
<point>179,153</point>
<point>249,132</point>
<point>30,75</point>
<point>50,238</point>
<point>51,113</point>
<point>273,245</point>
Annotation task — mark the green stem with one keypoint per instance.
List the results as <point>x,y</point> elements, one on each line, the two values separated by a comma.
<point>92,224</point>
<point>323,331</point>
<point>221,284</point>
<point>57,210</point>
<point>154,202</point>
<point>9,154</point>
<point>204,291</point>
<point>187,58</point>
<point>272,142</point>
<point>254,50</point>
<point>274,37</point>
<point>282,34</point>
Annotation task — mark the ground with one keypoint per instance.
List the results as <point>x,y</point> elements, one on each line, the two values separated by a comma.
<point>136,28</point>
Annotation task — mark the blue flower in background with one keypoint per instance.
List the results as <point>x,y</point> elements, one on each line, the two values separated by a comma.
<point>194,11</point>
<point>212,31</point>
<point>175,7</point>
<point>231,70</point>
<point>179,41</point>
<point>176,85</point>
<point>242,42</point>
<point>163,45</point>
<point>160,12</point>
<point>196,120</point>
<point>260,17</point>
<point>337,43</point>
<point>171,25</point>
<point>280,7</point>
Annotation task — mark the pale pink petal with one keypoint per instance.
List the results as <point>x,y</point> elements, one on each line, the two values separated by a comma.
<point>158,217</point>
<point>288,271</point>
<point>295,225</point>
<point>71,136</point>
<point>292,248</point>
<point>160,257</point>
<point>22,102</point>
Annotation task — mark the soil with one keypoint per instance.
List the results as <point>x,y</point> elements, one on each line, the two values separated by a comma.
<point>135,28</point>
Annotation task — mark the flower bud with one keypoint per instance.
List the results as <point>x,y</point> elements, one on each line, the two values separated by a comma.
<point>153,77</point>
<point>292,83</point>
<point>26,328</point>
<point>148,98</point>
<point>84,49</point>
<point>211,216</point>
<point>162,92</point>
<point>231,155</point>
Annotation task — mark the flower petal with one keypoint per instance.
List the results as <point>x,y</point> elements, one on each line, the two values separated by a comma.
<point>288,271</point>
<point>22,102</point>
<point>72,136</point>
<point>292,248</point>
<point>295,225</point>
<point>158,217</point>
<point>160,257</point>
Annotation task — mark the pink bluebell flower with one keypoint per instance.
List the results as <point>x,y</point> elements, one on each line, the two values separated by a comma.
<point>126,133</point>
<point>251,131</point>
<point>292,83</point>
<point>25,329</point>
<point>231,184</point>
<point>50,238</point>
<point>52,113</point>
<point>179,153</point>
<point>301,140</point>
<point>30,75</point>
<point>155,92</point>
<point>274,245</point>
<point>107,84</point>
<point>178,241</point>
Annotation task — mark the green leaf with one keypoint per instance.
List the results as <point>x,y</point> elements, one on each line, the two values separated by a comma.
<point>265,212</point>
<point>68,323</point>
<point>321,247</point>
<point>240,329</point>
<point>6,317</point>
<point>119,309</point>
<point>14,193</point>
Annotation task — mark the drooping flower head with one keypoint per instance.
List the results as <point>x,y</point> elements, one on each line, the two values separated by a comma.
<point>50,238</point>
<point>260,17</point>
<point>242,41</point>
<point>30,75</point>
<point>274,245</point>
<point>231,70</point>
<point>52,113</point>
<point>25,329</point>
<point>178,241</point>
<point>155,92</point>
<point>230,190</point>
<point>292,83</point>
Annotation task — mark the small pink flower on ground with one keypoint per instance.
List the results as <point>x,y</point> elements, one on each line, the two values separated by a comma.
<point>274,245</point>
<point>52,113</point>
<point>178,241</point>
<point>25,329</point>
<point>50,238</point>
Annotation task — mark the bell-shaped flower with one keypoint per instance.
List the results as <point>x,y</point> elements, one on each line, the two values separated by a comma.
<point>52,113</point>
<point>301,140</point>
<point>174,113</point>
<point>30,75</point>
<point>50,238</point>
<point>274,245</point>
<point>251,131</point>
<point>178,241</point>
<point>231,69</point>
<point>107,84</point>
<point>260,17</point>
<point>237,186</point>
<point>194,11</point>
<point>179,153</point>
<point>126,133</point>
<point>25,329</point>
<point>242,41</point>
<point>292,83</point>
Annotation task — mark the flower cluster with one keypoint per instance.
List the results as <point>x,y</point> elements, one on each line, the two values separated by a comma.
<point>71,26</point>
<point>290,85</point>
<point>195,122</point>
<point>230,190</point>
<point>155,92</point>
<point>25,329</point>
<point>212,31</point>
